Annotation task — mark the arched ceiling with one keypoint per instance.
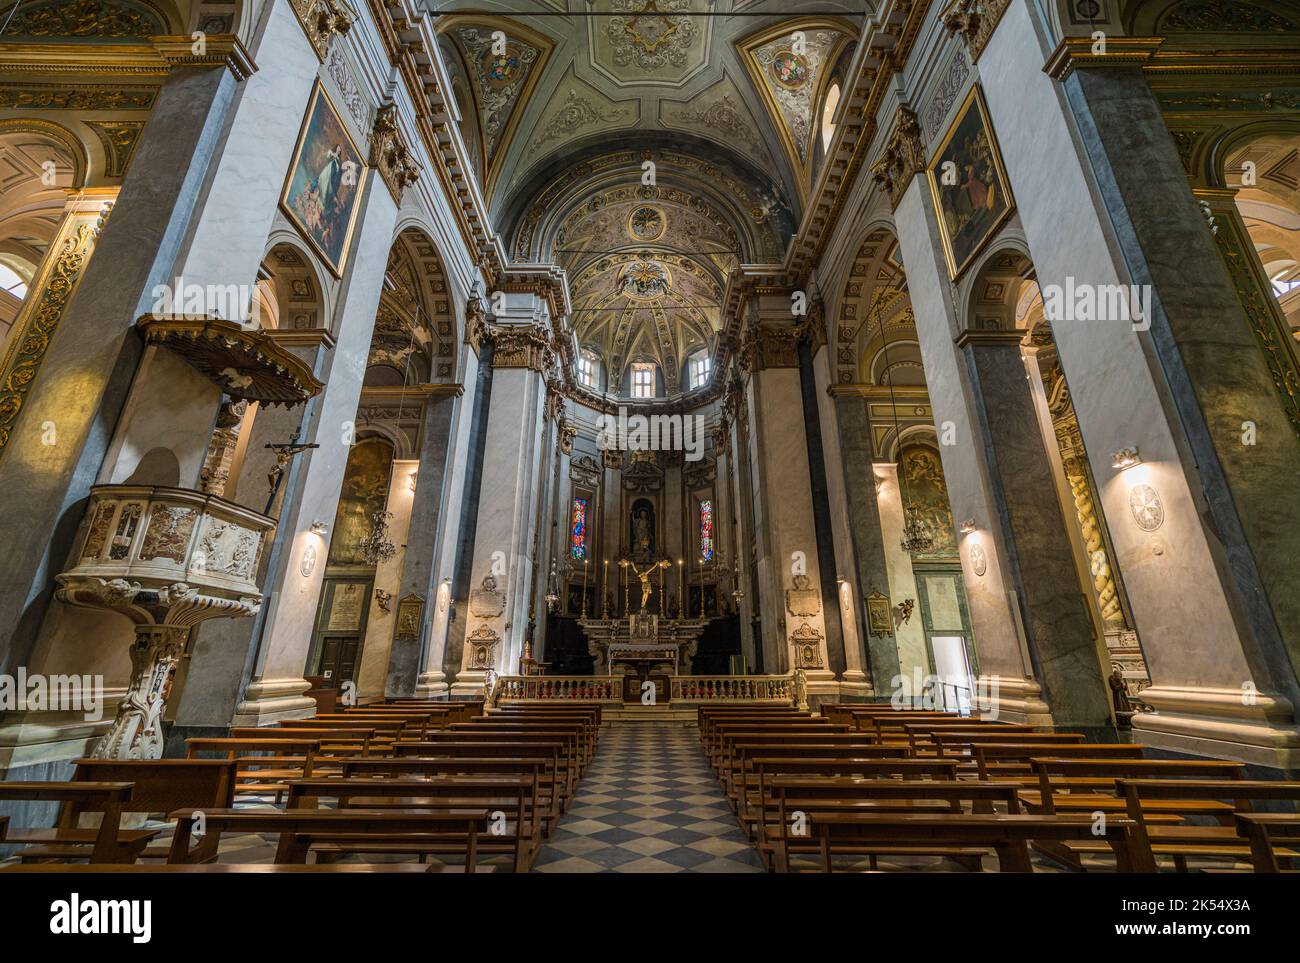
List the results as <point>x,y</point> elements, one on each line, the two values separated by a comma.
<point>578,68</point>
<point>876,334</point>
<point>648,263</point>
<point>726,107</point>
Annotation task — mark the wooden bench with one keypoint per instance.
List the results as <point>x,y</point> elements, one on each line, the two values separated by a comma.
<point>511,800</point>
<point>299,829</point>
<point>159,786</point>
<point>1264,831</point>
<point>1008,836</point>
<point>108,843</point>
<point>1002,760</point>
<point>566,772</point>
<point>540,769</point>
<point>810,797</point>
<point>735,776</point>
<point>223,868</point>
<point>265,765</point>
<point>1182,841</point>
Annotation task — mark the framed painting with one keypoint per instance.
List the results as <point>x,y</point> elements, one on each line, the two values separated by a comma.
<point>322,192</point>
<point>969,185</point>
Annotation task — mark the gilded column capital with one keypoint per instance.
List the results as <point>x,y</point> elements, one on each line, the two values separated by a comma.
<point>521,346</point>
<point>321,20</point>
<point>1074,52</point>
<point>390,155</point>
<point>218,50</point>
<point>903,158</point>
<point>974,21</point>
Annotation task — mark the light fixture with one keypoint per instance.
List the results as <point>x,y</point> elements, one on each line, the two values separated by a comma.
<point>1125,458</point>
<point>916,534</point>
<point>552,598</point>
<point>968,526</point>
<point>377,547</point>
<point>319,528</point>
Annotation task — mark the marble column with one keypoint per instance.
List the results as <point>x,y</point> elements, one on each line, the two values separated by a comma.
<point>501,571</point>
<point>913,653</point>
<point>1199,528</point>
<point>376,647</point>
<point>419,568</point>
<point>1057,624</point>
<point>277,687</point>
<point>870,572</point>
<point>1006,671</point>
<point>793,613</point>
<point>87,369</point>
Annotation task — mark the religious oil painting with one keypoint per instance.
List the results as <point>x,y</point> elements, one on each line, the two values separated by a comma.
<point>325,182</point>
<point>969,185</point>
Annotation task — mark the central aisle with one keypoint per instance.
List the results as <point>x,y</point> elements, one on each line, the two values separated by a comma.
<point>648,803</point>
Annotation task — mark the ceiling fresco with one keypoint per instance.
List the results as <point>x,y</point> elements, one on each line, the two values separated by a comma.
<point>726,106</point>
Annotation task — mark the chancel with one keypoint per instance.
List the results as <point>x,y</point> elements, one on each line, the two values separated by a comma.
<point>649,436</point>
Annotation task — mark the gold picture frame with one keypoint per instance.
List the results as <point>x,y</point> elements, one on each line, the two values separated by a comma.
<point>323,189</point>
<point>974,206</point>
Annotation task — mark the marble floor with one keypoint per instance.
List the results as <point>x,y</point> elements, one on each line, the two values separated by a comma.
<point>648,803</point>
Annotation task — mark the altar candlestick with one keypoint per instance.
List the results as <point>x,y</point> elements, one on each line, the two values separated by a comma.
<point>681,588</point>
<point>584,588</point>
<point>604,590</point>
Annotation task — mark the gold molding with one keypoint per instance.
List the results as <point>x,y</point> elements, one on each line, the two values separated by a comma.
<point>36,326</point>
<point>224,50</point>
<point>1074,52</point>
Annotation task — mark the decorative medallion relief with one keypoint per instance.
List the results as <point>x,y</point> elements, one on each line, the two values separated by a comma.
<point>86,18</point>
<point>791,80</point>
<point>1147,508</point>
<point>979,560</point>
<point>650,41</point>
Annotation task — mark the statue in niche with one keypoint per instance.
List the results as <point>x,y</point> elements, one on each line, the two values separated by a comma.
<point>643,532</point>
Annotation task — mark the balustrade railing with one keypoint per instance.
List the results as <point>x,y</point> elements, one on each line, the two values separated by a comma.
<point>684,689</point>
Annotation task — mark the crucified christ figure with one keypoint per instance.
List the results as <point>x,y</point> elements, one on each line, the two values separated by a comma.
<point>645,580</point>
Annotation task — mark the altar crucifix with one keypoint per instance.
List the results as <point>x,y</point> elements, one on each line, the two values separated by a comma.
<point>644,576</point>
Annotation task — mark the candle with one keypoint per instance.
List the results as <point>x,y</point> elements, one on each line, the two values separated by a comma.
<point>604,588</point>
<point>681,588</point>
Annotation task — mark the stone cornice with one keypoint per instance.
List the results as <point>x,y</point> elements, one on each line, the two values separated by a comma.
<point>301,337</point>
<point>879,392</point>
<point>1075,52</point>
<point>989,336</point>
<point>904,156</point>
<point>216,51</point>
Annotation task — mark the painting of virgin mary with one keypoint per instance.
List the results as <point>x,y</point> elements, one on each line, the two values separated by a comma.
<point>324,184</point>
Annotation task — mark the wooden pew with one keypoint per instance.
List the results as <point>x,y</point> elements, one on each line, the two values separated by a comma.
<point>718,749</point>
<point>265,765</point>
<point>1265,831</point>
<point>1002,760</point>
<point>1008,836</point>
<point>299,829</point>
<point>487,745</point>
<point>735,768</point>
<point>159,786</point>
<point>108,843</point>
<point>1182,841</point>
<point>812,797</point>
<point>219,868</point>
<point>511,800</point>
<point>539,768</point>
<point>572,735</point>
<point>960,743</point>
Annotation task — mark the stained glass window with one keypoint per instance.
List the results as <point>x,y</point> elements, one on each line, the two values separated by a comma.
<point>578,530</point>
<point>706,529</point>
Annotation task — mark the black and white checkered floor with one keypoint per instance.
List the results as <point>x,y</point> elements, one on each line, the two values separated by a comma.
<point>648,803</point>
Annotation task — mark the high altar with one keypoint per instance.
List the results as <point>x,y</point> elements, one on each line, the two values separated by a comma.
<point>642,647</point>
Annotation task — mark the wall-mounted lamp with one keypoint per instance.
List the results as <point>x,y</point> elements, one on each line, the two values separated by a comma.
<point>968,526</point>
<point>319,528</point>
<point>1125,458</point>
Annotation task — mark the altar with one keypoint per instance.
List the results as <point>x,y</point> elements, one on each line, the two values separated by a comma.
<point>642,647</point>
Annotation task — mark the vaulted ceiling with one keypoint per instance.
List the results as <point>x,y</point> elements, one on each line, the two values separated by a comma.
<point>727,108</point>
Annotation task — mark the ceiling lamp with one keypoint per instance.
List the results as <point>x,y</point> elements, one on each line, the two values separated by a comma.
<point>377,546</point>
